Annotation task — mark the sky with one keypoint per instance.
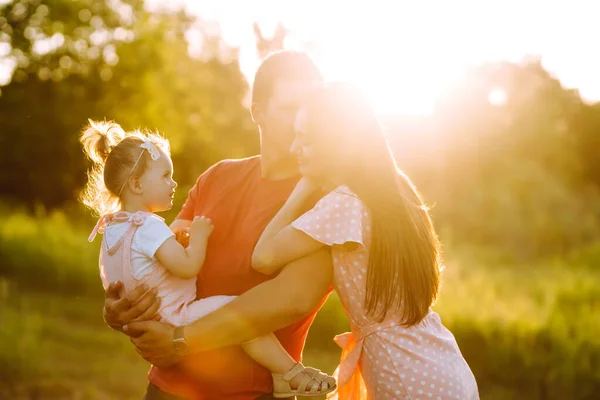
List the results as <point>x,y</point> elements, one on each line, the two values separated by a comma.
<point>403,54</point>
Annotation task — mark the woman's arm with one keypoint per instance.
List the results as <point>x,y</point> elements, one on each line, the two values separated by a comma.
<point>185,262</point>
<point>280,243</point>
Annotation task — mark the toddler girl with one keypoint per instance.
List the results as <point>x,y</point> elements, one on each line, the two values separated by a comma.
<point>132,178</point>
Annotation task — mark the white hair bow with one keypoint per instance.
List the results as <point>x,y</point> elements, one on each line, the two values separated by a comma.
<point>154,155</point>
<point>151,148</point>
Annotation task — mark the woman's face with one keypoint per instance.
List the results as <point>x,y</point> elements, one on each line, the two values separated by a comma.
<point>310,149</point>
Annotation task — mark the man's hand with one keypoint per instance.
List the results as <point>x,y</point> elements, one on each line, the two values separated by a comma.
<point>153,341</point>
<point>139,305</point>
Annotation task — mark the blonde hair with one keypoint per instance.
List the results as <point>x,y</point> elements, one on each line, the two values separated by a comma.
<point>113,153</point>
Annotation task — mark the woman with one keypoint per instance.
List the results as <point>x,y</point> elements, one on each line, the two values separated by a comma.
<point>384,248</point>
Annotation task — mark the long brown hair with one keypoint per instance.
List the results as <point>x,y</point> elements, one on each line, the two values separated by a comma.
<point>403,276</point>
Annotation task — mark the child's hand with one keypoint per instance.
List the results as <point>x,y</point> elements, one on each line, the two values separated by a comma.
<point>182,235</point>
<point>201,227</point>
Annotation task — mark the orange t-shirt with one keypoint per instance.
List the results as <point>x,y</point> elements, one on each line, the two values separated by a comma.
<point>240,204</point>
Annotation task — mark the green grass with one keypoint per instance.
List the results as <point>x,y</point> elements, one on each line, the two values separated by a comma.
<point>528,331</point>
<point>57,346</point>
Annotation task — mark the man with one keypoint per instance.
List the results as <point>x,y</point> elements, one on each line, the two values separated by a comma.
<point>240,197</point>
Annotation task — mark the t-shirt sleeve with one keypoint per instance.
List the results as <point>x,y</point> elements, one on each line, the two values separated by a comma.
<point>335,220</point>
<point>188,210</point>
<point>151,235</point>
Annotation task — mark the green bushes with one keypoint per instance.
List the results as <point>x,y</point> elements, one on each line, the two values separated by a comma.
<point>48,253</point>
<point>528,331</point>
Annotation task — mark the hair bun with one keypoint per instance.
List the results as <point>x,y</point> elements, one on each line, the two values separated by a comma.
<point>98,139</point>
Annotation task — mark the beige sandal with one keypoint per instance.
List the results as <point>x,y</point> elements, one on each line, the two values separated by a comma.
<point>313,383</point>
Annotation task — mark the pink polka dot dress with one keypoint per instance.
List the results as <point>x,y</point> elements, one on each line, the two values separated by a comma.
<point>382,360</point>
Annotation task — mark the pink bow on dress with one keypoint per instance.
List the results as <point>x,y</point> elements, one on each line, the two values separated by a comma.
<point>351,385</point>
<point>136,218</point>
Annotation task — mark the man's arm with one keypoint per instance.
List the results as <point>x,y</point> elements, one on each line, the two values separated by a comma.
<point>272,305</point>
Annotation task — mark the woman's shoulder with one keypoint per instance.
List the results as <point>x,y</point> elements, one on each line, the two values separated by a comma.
<point>344,190</point>
<point>343,196</point>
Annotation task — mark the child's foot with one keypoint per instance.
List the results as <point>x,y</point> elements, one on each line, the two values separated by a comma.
<point>302,381</point>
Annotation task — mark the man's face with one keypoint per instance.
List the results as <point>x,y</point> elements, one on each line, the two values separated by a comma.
<point>276,117</point>
<point>308,148</point>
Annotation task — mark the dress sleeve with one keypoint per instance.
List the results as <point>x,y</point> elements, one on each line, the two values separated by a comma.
<point>336,219</point>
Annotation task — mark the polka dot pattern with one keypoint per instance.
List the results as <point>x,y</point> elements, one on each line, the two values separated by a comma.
<point>389,361</point>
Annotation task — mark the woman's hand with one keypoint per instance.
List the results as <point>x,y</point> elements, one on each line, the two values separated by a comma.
<point>154,342</point>
<point>306,193</point>
<point>306,186</point>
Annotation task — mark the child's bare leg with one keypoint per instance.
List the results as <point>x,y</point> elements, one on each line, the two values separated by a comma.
<point>268,352</point>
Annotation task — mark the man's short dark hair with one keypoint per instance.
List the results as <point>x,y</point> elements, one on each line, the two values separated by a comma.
<point>284,64</point>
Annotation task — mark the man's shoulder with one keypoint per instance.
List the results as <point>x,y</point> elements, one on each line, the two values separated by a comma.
<point>234,166</point>
<point>238,163</point>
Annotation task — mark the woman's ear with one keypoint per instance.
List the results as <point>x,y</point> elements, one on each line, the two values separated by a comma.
<point>135,184</point>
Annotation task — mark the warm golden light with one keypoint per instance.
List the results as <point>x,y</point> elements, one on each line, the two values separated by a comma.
<point>404,53</point>
<point>497,97</point>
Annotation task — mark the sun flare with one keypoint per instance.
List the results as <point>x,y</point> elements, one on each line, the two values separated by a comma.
<point>403,54</point>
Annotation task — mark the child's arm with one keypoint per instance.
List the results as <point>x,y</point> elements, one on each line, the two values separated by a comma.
<point>180,224</point>
<point>281,243</point>
<point>183,262</point>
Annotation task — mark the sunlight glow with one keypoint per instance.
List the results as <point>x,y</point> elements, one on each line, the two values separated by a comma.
<point>404,53</point>
<point>7,66</point>
<point>497,97</point>
<point>48,44</point>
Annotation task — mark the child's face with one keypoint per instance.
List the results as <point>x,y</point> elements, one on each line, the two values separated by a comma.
<point>158,186</point>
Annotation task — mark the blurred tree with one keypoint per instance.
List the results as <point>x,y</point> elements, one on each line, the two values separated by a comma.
<point>196,100</point>
<point>511,167</point>
<point>111,59</point>
<point>508,160</point>
<point>587,125</point>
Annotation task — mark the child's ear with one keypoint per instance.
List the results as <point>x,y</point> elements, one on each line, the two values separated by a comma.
<point>135,184</point>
